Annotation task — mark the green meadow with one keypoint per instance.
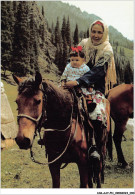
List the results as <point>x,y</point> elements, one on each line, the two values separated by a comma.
<point>18,170</point>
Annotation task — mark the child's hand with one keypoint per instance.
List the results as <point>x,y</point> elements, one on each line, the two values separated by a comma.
<point>71,84</point>
<point>63,84</point>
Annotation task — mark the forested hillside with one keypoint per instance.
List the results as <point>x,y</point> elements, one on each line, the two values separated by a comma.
<point>25,41</point>
<point>58,13</point>
<point>82,19</point>
<point>38,36</point>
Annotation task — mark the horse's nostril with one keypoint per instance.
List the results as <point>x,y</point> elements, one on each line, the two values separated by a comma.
<point>27,142</point>
<point>16,139</point>
<point>23,143</point>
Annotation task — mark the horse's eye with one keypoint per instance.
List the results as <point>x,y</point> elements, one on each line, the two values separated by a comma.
<point>37,101</point>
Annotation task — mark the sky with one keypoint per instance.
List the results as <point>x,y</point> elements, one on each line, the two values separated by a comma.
<point>118,13</point>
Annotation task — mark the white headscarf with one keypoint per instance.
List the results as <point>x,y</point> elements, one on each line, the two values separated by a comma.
<point>103,49</point>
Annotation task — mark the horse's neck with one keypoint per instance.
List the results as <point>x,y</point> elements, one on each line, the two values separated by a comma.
<point>58,108</point>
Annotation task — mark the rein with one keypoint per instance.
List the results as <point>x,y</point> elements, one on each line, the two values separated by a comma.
<point>31,152</point>
<point>32,157</point>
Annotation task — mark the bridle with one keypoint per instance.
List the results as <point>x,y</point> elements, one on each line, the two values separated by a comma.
<point>36,121</point>
<point>42,118</point>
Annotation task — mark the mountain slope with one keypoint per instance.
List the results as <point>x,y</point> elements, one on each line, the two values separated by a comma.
<point>54,9</point>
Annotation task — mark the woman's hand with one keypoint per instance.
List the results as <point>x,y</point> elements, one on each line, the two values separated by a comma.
<point>71,84</point>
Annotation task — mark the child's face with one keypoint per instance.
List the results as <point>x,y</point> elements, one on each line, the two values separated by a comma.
<point>76,62</point>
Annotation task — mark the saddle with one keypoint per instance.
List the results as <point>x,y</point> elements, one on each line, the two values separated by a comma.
<point>85,105</point>
<point>82,106</point>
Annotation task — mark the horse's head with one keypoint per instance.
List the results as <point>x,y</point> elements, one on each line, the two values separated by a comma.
<point>30,103</point>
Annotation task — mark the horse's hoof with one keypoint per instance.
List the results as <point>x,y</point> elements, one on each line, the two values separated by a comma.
<point>123,166</point>
<point>41,142</point>
<point>127,167</point>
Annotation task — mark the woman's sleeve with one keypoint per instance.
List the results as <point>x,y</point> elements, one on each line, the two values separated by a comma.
<point>96,73</point>
<point>92,76</point>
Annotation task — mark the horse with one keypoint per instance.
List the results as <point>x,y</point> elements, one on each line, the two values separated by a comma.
<point>121,108</point>
<point>43,104</point>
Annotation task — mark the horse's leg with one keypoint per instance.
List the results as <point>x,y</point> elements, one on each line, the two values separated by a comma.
<point>117,137</point>
<point>97,172</point>
<point>55,173</point>
<point>90,175</point>
<point>101,138</point>
<point>83,171</point>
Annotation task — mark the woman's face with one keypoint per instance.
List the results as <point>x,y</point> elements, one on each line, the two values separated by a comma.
<point>96,34</point>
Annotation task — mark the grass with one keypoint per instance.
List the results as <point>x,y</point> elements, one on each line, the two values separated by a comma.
<point>18,171</point>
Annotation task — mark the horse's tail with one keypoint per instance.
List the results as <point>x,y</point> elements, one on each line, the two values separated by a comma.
<point>109,144</point>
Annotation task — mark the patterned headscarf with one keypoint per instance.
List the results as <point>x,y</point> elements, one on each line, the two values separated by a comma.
<point>102,50</point>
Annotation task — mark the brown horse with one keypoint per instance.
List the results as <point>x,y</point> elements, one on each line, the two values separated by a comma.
<point>121,103</point>
<point>43,104</point>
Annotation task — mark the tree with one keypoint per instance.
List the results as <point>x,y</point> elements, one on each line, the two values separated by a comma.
<point>76,36</point>
<point>63,28</point>
<point>7,30</point>
<point>87,32</point>
<point>33,41</point>
<point>20,58</point>
<point>43,12</point>
<point>58,58</point>
<point>122,53</point>
<point>67,33</point>
<point>128,74</point>
<point>65,55</point>
<point>57,33</point>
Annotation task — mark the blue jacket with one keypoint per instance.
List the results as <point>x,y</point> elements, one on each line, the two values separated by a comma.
<point>95,76</point>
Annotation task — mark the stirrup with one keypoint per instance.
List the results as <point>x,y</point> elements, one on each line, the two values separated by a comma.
<point>93,153</point>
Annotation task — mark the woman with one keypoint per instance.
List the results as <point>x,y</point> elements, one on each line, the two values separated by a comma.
<point>102,74</point>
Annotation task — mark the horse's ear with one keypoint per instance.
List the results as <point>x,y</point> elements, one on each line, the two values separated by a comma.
<point>38,78</point>
<point>17,79</point>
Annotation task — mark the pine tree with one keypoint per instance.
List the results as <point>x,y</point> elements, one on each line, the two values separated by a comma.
<point>76,36</point>
<point>58,58</point>
<point>34,33</point>
<point>14,6</point>
<point>65,55</point>
<point>57,33</point>
<point>20,58</point>
<point>128,74</point>
<point>88,33</point>
<point>63,28</point>
<point>67,33</point>
<point>52,34</point>
<point>7,30</point>
<point>42,34</point>
<point>43,12</point>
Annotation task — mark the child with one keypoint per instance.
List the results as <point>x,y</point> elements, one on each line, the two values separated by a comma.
<point>76,68</point>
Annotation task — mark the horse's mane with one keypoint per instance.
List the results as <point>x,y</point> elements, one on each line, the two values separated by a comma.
<point>29,88</point>
<point>58,92</point>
